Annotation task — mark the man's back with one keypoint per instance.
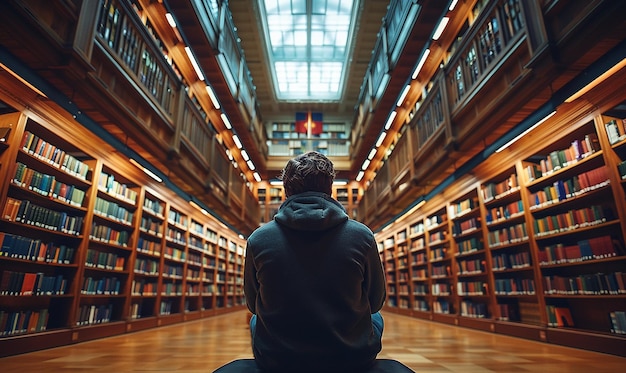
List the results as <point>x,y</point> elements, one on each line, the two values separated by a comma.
<point>313,277</point>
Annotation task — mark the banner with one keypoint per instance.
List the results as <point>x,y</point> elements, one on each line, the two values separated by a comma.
<point>306,120</point>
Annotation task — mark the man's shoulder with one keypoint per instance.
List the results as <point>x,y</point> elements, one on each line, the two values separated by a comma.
<point>264,230</point>
<point>359,227</point>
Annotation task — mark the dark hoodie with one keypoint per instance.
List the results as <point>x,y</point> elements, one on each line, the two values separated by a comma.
<point>313,277</point>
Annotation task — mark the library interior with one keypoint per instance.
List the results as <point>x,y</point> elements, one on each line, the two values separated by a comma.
<point>482,141</point>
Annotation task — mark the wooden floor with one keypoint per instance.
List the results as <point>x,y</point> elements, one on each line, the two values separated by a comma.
<point>204,345</point>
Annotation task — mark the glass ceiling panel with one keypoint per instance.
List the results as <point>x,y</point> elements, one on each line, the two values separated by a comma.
<point>308,45</point>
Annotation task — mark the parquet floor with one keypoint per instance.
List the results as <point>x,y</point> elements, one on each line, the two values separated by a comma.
<point>204,345</point>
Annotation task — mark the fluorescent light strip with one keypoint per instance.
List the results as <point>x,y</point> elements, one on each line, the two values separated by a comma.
<point>146,171</point>
<point>440,28</point>
<point>226,121</point>
<point>420,64</point>
<point>597,80</point>
<point>276,182</point>
<point>257,177</point>
<point>403,95</point>
<point>213,97</point>
<point>237,142</point>
<point>390,120</point>
<point>244,155</point>
<point>366,164</point>
<point>203,211</point>
<point>194,63</point>
<point>340,182</point>
<point>453,5</point>
<point>360,175</point>
<point>381,138</point>
<point>524,133</point>
<point>170,19</point>
<point>372,153</point>
<point>251,165</point>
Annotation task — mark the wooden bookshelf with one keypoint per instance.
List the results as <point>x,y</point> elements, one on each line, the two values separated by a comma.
<point>91,248</point>
<point>532,247</point>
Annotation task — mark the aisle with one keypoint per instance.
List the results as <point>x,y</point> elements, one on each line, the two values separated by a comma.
<point>204,345</point>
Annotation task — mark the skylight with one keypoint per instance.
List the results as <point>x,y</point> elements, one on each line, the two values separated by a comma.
<point>308,43</point>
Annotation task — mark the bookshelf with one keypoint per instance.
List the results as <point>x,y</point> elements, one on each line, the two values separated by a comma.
<point>90,248</point>
<point>532,246</point>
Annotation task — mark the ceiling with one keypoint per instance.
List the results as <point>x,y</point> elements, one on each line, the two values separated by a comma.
<point>249,29</point>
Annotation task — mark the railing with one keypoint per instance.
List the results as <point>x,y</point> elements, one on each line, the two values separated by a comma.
<point>495,31</point>
<point>430,116</point>
<point>120,30</point>
<point>196,131</point>
<point>292,147</point>
<point>400,159</point>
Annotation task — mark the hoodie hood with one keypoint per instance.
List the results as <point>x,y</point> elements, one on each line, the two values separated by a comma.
<point>311,211</point>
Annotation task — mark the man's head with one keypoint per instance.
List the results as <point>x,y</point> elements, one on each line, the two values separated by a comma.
<point>309,172</point>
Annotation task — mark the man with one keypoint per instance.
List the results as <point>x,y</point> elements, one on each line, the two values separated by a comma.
<point>313,280</point>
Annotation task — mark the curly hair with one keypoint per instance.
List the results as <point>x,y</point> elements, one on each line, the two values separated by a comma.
<point>308,172</point>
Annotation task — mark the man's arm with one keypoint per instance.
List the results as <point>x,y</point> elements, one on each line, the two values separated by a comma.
<point>250,285</point>
<point>377,289</point>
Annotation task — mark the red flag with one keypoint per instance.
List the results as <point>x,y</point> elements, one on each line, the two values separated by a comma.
<point>305,120</point>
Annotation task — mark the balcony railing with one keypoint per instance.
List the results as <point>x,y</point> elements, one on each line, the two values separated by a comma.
<point>292,147</point>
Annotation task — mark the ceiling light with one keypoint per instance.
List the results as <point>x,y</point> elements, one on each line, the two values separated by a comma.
<point>194,63</point>
<point>251,165</point>
<point>226,121</point>
<point>146,171</point>
<point>525,132</point>
<point>257,177</point>
<point>420,64</point>
<point>170,19</point>
<point>365,165</point>
<point>360,175</point>
<point>244,155</point>
<point>440,28</point>
<point>276,182</point>
<point>212,96</point>
<point>597,80</point>
<point>372,153</point>
<point>390,120</point>
<point>381,138</point>
<point>403,95</point>
<point>237,142</point>
<point>453,5</point>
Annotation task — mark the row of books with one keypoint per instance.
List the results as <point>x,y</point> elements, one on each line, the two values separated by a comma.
<point>505,212</point>
<point>508,312</point>
<point>558,159</point>
<point>420,289</point>
<point>438,271</point>
<point>615,131</point>
<point>19,247</point>
<point>136,311</point>
<point>174,254</point>
<point>514,286</point>
<point>121,191</point>
<point>473,309</point>
<point>618,322</point>
<point>437,237</point>
<point>569,220</point>
<point>172,271</point>
<point>113,211</point>
<point>416,228</point>
<point>442,306</point>
<point>146,267</point>
<point>45,151</point>
<point>421,305</point>
<point>144,287</point>
<point>47,185</point>
<point>176,236</point>
<point>151,226</point>
<point>29,283</point>
<point>101,286</point>
<point>462,207</point>
<point>155,207</point>
<point>465,288</point>
<point>104,260</point>
<point>148,247</point>
<point>106,234</point>
<point>177,218</point>
<point>21,322</point>
<point>435,220</point>
<point>505,187</point>
<point>504,261</point>
<point>171,289</point>
<point>593,248</point>
<point>418,244</point>
<point>470,245</point>
<point>90,314</point>
<point>465,226</point>
<point>419,274</point>
<point>559,316</point>
<point>561,190</point>
<point>621,168</point>
<point>587,284</point>
<point>419,258</point>
<point>471,267</point>
<point>441,289</point>
<point>509,235</point>
<point>438,253</point>
<point>23,211</point>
